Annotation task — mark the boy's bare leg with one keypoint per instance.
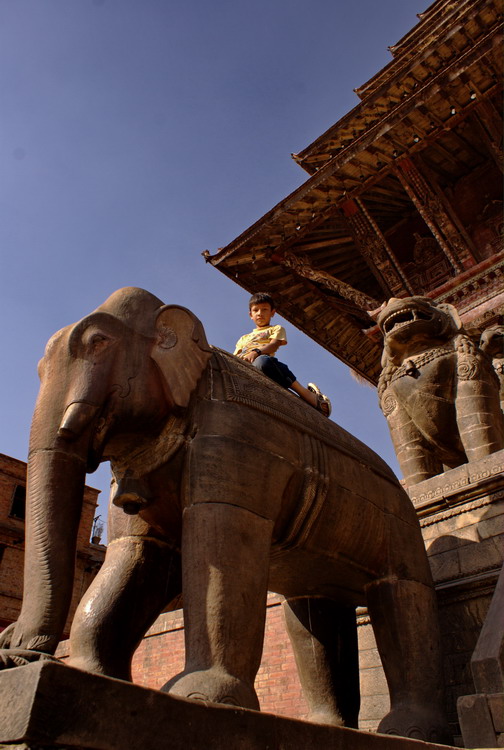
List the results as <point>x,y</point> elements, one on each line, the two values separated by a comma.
<point>312,398</point>
<point>305,393</point>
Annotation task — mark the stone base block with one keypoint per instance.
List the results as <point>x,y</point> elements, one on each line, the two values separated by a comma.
<point>49,706</point>
<point>482,720</point>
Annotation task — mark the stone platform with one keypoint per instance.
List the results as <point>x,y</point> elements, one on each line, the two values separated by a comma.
<point>49,706</point>
<point>461,513</point>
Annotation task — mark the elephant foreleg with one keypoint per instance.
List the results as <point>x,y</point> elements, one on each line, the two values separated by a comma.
<point>225,552</point>
<point>139,577</point>
<point>404,618</point>
<point>324,640</point>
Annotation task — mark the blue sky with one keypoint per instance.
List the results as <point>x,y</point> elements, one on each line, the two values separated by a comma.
<point>134,134</point>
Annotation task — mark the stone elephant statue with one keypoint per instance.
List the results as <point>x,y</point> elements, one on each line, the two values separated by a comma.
<point>225,486</point>
<point>437,389</point>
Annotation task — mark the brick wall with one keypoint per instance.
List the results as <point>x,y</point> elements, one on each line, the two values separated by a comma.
<point>89,556</point>
<point>161,655</point>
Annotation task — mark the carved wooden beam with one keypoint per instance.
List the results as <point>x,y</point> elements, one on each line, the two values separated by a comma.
<point>375,250</point>
<point>490,131</point>
<point>431,208</point>
<point>301,266</point>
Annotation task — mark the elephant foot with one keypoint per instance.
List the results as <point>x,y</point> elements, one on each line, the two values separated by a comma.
<point>89,664</point>
<point>19,657</point>
<point>213,685</point>
<point>416,723</point>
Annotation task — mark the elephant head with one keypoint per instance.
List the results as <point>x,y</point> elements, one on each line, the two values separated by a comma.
<point>132,361</point>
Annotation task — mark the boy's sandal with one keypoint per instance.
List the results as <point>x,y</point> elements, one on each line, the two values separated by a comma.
<point>323,402</point>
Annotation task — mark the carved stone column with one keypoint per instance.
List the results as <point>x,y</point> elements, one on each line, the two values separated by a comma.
<point>375,250</point>
<point>430,206</point>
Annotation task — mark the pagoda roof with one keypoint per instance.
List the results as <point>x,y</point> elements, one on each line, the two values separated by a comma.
<point>302,251</point>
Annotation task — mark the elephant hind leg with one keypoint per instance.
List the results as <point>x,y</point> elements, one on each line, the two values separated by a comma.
<point>323,634</point>
<point>405,622</point>
<point>139,577</point>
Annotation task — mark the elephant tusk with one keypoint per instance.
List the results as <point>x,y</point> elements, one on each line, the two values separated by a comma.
<point>132,495</point>
<point>77,416</point>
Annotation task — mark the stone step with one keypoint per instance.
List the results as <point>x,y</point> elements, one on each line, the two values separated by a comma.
<point>49,706</point>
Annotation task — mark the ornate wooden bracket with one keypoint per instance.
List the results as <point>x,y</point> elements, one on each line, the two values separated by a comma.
<point>301,266</point>
<point>435,215</point>
<point>375,250</point>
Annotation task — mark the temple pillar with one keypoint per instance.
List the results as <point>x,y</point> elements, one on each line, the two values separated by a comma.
<point>375,250</point>
<point>489,126</point>
<point>436,215</point>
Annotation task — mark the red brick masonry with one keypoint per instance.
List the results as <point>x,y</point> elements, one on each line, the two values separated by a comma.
<point>161,655</point>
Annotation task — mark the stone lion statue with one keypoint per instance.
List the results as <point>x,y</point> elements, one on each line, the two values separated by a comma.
<point>438,390</point>
<point>492,343</point>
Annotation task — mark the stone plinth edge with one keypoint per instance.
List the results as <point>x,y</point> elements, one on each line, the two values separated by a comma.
<point>467,482</point>
<point>49,706</point>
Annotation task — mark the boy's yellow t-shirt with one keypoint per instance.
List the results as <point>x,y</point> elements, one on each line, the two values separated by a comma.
<point>260,337</point>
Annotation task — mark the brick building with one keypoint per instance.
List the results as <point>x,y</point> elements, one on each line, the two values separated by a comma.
<point>12,514</point>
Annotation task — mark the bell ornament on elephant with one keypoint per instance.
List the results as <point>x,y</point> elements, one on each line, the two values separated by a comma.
<point>437,389</point>
<point>225,486</point>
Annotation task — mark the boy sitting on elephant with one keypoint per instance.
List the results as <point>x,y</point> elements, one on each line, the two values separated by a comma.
<point>259,346</point>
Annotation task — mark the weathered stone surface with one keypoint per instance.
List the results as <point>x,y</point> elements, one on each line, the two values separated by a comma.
<point>375,683</point>
<point>492,343</point>
<point>476,721</point>
<point>437,389</point>
<point>224,484</point>
<point>373,708</point>
<point>482,477</point>
<point>50,706</point>
<point>462,527</point>
<point>369,658</point>
<point>496,707</point>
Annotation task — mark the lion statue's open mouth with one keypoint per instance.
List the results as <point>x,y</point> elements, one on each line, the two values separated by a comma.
<point>404,317</point>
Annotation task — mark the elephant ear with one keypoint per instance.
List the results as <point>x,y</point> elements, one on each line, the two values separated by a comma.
<point>180,350</point>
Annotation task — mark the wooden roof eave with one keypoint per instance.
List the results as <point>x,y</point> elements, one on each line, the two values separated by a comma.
<point>340,341</point>
<point>278,214</point>
<point>364,109</point>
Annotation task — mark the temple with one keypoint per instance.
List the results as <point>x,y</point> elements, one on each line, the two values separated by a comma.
<point>404,198</point>
<point>404,195</point>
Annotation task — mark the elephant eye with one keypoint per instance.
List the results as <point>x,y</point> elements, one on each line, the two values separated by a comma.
<point>98,341</point>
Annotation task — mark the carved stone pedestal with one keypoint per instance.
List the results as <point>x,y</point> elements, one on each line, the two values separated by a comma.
<point>462,516</point>
<point>49,706</point>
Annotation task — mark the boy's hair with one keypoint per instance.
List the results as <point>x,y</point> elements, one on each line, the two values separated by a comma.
<point>261,297</point>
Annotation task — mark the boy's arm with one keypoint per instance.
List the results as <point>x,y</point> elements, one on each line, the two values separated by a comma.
<point>238,346</point>
<point>271,347</point>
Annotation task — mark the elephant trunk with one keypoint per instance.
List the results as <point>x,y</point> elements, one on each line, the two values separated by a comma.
<point>54,491</point>
<point>59,446</point>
